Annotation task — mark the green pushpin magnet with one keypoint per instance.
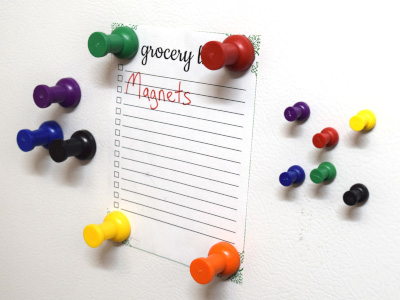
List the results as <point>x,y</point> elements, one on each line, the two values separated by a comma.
<point>325,172</point>
<point>122,42</point>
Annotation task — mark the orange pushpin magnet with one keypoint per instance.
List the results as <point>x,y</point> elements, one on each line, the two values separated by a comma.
<point>223,259</point>
<point>115,227</point>
<point>364,120</point>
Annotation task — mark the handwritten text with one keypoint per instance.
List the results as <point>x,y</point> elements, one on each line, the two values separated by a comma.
<point>153,96</point>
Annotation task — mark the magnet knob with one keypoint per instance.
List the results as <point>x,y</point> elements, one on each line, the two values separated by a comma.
<point>364,120</point>
<point>295,175</point>
<point>82,145</point>
<point>299,111</point>
<point>122,42</point>
<point>66,92</point>
<point>358,193</point>
<point>325,172</point>
<point>115,227</point>
<point>236,52</point>
<point>223,259</point>
<point>27,140</point>
<point>326,138</point>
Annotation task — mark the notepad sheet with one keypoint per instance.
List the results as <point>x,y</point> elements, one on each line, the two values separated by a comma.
<point>181,145</point>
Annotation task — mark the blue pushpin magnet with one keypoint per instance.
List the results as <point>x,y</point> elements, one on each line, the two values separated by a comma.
<point>27,140</point>
<point>295,175</point>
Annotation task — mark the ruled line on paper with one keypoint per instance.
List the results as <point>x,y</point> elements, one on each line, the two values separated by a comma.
<point>183,183</point>
<point>220,158</point>
<point>176,215</point>
<point>222,86</point>
<point>136,117</point>
<point>180,172</point>
<point>168,112</point>
<point>188,196</point>
<point>181,227</point>
<point>179,137</point>
<point>188,162</point>
<point>191,93</point>
<point>173,203</point>
<point>191,105</point>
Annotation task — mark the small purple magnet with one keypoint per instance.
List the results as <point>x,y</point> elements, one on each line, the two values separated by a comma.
<point>66,92</point>
<point>300,112</point>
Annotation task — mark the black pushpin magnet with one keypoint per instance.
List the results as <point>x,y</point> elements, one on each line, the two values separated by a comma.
<point>357,194</point>
<point>82,145</point>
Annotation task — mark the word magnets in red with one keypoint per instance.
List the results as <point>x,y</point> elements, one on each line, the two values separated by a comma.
<point>223,259</point>
<point>236,52</point>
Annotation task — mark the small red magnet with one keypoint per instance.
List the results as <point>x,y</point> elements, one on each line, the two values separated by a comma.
<point>327,138</point>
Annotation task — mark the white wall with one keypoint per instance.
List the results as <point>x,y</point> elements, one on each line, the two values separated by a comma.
<point>302,243</point>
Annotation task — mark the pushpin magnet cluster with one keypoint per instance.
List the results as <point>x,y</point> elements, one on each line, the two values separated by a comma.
<point>66,92</point>
<point>328,137</point>
<point>295,175</point>
<point>357,194</point>
<point>236,53</point>
<point>364,120</point>
<point>27,140</point>
<point>115,227</point>
<point>223,259</point>
<point>300,111</point>
<point>82,145</point>
<point>324,173</point>
<point>122,42</point>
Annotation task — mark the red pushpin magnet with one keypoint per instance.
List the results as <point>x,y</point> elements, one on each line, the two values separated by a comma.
<point>328,137</point>
<point>236,52</point>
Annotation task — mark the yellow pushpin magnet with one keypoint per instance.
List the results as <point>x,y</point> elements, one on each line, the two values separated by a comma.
<point>115,227</point>
<point>364,120</point>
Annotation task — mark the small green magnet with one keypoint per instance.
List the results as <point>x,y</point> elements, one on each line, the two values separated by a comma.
<point>122,42</point>
<point>325,172</point>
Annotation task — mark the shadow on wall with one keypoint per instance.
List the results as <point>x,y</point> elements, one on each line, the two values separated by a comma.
<point>69,172</point>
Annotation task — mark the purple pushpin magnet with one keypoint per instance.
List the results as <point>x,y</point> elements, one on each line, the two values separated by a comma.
<point>66,92</point>
<point>300,112</point>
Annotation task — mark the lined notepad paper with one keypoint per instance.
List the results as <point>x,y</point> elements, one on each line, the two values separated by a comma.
<point>181,144</point>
